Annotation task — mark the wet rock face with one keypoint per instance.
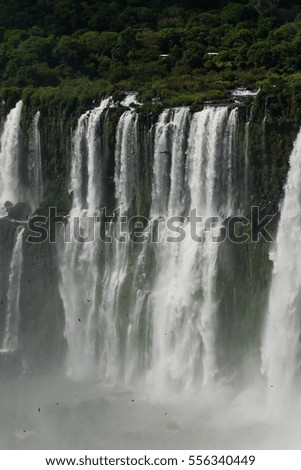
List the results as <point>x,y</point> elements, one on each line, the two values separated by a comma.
<point>42,327</point>
<point>19,211</point>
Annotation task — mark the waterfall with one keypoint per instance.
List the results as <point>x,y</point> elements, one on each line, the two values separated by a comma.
<point>9,157</point>
<point>78,264</point>
<point>126,159</point>
<point>178,123</point>
<point>169,162</point>
<point>11,182</point>
<point>10,340</point>
<point>161,165</point>
<point>94,192</point>
<point>281,340</point>
<point>247,151</point>
<point>168,323</point>
<point>183,295</point>
<point>148,310</point>
<point>112,311</point>
<point>264,125</point>
<point>230,156</point>
<point>35,164</point>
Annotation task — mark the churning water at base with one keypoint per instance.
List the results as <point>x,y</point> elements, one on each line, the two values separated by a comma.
<point>54,413</point>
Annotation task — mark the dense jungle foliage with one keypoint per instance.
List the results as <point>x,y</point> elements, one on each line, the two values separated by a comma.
<point>160,48</point>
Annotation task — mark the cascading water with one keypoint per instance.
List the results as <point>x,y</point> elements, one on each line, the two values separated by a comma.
<point>79,260</point>
<point>178,123</point>
<point>148,289</point>
<point>281,341</point>
<point>126,159</point>
<point>10,189</point>
<point>161,166</point>
<point>10,341</point>
<point>35,164</point>
<point>112,306</point>
<point>264,125</point>
<point>228,184</point>
<point>183,296</point>
<point>247,151</point>
<point>152,314</point>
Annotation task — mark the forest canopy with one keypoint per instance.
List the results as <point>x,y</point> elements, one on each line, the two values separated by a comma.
<point>183,51</point>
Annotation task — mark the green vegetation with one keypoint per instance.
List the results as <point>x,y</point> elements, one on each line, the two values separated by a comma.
<point>95,47</point>
<point>62,56</point>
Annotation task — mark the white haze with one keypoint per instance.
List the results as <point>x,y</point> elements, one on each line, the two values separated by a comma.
<point>91,415</point>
